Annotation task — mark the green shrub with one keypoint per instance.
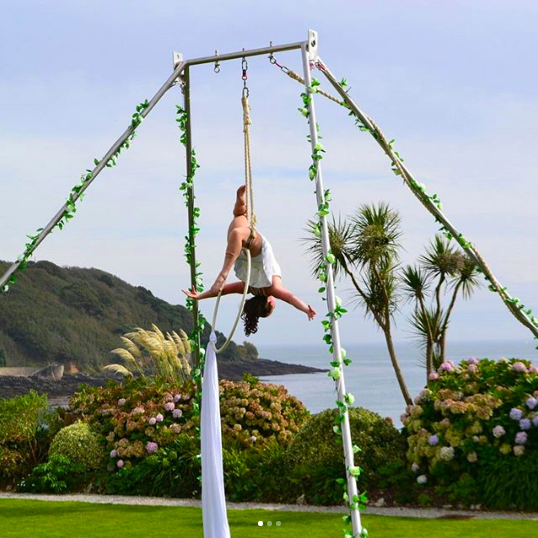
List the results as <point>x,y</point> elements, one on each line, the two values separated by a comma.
<point>510,483</point>
<point>473,433</point>
<point>315,457</point>
<point>26,428</point>
<point>79,444</point>
<point>142,417</point>
<point>172,471</point>
<point>57,475</point>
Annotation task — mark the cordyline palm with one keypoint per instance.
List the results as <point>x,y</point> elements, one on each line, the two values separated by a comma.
<point>369,245</point>
<point>442,270</point>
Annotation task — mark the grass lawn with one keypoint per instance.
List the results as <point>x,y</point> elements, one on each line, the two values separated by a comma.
<point>37,519</point>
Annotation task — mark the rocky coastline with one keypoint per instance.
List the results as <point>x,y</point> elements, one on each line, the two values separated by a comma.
<point>59,391</point>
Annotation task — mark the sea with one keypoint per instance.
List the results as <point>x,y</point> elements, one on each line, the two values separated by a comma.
<point>370,377</point>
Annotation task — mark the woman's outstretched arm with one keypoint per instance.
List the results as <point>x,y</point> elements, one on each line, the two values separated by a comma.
<point>287,296</point>
<point>234,287</point>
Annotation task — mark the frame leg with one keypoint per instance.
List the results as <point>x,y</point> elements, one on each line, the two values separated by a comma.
<point>399,167</point>
<point>190,209</point>
<point>331,304</point>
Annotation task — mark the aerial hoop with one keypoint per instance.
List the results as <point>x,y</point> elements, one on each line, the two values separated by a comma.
<point>238,317</point>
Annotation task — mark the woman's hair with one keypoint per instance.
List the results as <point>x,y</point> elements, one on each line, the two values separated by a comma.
<point>255,308</point>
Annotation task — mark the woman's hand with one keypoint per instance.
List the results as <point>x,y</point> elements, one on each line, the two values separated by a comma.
<point>311,313</point>
<point>193,294</point>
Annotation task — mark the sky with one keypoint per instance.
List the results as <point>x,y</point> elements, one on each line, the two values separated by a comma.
<point>453,82</point>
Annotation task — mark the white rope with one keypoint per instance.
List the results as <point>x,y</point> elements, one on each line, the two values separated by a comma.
<point>252,222</point>
<point>240,311</point>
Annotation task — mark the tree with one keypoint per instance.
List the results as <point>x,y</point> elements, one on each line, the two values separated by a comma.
<point>3,358</point>
<point>247,351</point>
<point>442,272</point>
<point>366,250</point>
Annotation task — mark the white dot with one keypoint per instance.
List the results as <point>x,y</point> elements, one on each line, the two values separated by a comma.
<point>278,523</point>
<point>260,523</point>
<point>269,523</point>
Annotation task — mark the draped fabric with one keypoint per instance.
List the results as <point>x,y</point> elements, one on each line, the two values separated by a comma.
<point>213,500</point>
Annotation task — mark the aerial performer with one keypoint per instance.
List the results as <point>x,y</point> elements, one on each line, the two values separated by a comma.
<point>265,278</point>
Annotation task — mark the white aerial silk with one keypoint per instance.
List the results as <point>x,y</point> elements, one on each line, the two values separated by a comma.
<point>213,500</point>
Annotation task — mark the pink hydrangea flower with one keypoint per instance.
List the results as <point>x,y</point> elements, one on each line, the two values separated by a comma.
<point>433,376</point>
<point>169,406</point>
<point>472,360</point>
<point>533,369</point>
<point>472,368</point>
<point>119,464</point>
<point>177,397</point>
<point>531,402</point>
<point>121,401</point>
<point>521,438</point>
<point>447,367</point>
<point>159,418</point>
<point>415,467</point>
<point>152,421</point>
<point>498,432</point>
<point>519,367</point>
<point>113,453</point>
<point>177,413</point>
<point>253,438</point>
<point>152,447</point>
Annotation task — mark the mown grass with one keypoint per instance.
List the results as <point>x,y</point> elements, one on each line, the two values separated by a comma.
<point>44,519</point>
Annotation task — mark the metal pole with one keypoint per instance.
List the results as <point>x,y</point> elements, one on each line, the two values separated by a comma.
<point>245,53</point>
<point>408,178</point>
<point>190,209</point>
<point>95,172</point>
<point>331,304</point>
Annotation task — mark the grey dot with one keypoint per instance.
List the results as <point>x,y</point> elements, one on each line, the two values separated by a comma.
<point>269,523</point>
<point>278,523</point>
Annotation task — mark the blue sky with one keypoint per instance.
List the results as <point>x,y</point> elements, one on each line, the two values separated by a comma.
<point>453,82</point>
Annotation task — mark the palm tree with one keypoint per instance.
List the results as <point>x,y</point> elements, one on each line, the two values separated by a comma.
<point>443,270</point>
<point>369,245</point>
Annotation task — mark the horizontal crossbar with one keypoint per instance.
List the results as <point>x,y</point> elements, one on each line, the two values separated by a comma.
<point>245,53</point>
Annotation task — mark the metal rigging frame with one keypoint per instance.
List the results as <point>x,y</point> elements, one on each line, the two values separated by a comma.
<point>181,75</point>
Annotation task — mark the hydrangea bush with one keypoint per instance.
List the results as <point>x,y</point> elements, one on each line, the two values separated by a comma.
<point>471,419</point>
<point>138,419</point>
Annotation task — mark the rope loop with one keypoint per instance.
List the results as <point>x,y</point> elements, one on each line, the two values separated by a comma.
<point>239,312</point>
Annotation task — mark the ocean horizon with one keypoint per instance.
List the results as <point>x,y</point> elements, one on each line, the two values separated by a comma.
<point>370,377</point>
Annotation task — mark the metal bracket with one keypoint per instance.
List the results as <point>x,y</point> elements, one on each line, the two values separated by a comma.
<point>177,59</point>
<point>312,46</point>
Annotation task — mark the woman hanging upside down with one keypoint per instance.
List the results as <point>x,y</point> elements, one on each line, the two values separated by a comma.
<point>265,274</point>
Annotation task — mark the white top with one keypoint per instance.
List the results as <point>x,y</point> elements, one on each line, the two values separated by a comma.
<point>262,268</point>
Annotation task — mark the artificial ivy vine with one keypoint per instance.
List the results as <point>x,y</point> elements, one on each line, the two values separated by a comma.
<point>434,205</point>
<point>335,373</point>
<point>76,194</point>
<point>187,188</point>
